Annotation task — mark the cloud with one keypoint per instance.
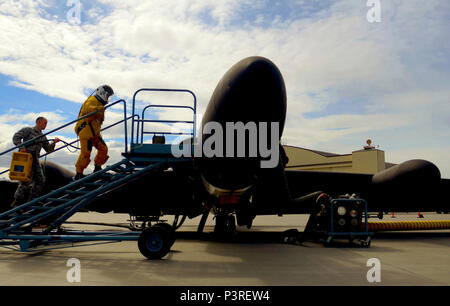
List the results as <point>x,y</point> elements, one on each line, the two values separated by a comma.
<point>346,78</point>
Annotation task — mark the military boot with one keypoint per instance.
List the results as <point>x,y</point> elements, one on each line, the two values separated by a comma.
<point>78,176</point>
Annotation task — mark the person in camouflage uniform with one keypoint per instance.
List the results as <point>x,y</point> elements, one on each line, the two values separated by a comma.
<point>37,176</point>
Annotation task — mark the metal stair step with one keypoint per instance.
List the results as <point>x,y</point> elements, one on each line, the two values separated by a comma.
<point>39,207</point>
<point>105,175</point>
<point>79,192</point>
<point>58,200</point>
<point>123,170</point>
<point>94,184</point>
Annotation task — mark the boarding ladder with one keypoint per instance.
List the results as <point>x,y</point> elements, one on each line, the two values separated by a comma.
<point>53,209</point>
<point>61,204</point>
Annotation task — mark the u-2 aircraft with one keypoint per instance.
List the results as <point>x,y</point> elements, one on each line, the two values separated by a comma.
<point>237,189</point>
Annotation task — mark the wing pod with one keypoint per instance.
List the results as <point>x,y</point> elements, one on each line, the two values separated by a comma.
<point>409,186</point>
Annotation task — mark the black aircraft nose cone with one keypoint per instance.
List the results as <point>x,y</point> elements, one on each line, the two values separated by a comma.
<point>251,91</point>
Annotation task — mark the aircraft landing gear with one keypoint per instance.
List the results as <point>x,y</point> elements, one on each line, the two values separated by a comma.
<point>225,227</point>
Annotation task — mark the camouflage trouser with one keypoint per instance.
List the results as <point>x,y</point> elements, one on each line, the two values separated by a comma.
<point>36,184</point>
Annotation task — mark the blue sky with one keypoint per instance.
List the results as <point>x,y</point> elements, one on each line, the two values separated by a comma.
<point>347,79</point>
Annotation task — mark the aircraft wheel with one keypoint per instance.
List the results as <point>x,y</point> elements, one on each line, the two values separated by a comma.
<point>154,242</point>
<point>327,242</point>
<point>171,231</point>
<point>366,243</point>
<point>291,236</point>
<point>225,227</point>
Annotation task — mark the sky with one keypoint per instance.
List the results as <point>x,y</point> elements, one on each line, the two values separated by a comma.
<point>348,77</point>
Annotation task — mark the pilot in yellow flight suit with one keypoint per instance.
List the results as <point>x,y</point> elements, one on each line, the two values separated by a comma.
<point>88,130</point>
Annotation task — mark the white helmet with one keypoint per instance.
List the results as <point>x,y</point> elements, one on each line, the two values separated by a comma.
<point>103,93</point>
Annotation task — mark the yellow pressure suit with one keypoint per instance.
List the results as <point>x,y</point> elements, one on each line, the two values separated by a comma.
<point>88,130</point>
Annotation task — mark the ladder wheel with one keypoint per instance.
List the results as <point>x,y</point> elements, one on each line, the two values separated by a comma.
<point>170,230</point>
<point>154,242</point>
<point>366,243</point>
<point>327,242</point>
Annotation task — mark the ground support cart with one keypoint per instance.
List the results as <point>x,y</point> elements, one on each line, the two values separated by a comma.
<point>331,219</point>
<point>346,221</point>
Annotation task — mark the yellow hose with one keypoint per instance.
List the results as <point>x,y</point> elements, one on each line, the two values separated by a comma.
<point>407,225</point>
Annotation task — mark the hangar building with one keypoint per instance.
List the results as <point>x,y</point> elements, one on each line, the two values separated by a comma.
<point>368,160</point>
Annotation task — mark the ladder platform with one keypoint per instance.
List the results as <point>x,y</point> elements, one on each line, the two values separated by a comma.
<point>146,149</point>
<point>145,154</point>
<point>152,150</point>
<point>62,203</point>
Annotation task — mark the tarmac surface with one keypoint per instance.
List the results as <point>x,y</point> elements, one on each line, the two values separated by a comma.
<point>256,257</point>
